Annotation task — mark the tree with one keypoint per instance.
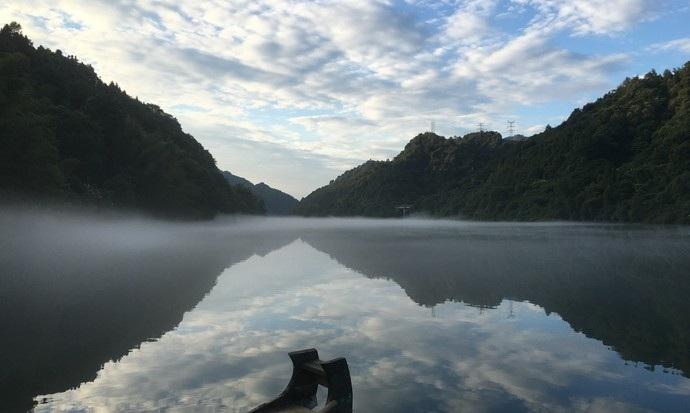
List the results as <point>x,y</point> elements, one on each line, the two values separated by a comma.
<point>66,135</point>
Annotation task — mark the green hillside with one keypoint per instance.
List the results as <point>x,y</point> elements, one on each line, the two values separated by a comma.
<point>67,136</point>
<point>623,158</point>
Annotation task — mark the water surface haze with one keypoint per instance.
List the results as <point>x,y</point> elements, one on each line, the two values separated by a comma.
<point>120,313</point>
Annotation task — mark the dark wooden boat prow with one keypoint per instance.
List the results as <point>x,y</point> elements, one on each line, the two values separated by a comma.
<point>307,373</point>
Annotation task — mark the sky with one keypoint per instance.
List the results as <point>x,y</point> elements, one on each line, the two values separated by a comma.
<point>293,93</point>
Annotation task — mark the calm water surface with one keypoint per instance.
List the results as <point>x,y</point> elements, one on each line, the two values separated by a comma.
<point>432,316</point>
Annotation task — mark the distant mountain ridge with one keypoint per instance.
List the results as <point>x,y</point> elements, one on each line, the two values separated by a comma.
<point>275,201</point>
<point>623,158</point>
<point>237,180</point>
<point>66,136</point>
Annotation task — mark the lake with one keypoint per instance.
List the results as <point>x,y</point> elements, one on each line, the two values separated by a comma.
<point>127,314</point>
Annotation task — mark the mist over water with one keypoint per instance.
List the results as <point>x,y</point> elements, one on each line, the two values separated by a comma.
<point>123,313</point>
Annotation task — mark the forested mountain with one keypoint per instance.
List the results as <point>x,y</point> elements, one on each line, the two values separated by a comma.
<point>65,135</point>
<point>625,157</point>
<point>275,201</point>
<point>237,180</point>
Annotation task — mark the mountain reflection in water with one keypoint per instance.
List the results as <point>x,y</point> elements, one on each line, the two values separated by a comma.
<point>78,293</point>
<point>624,286</point>
<point>482,317</point>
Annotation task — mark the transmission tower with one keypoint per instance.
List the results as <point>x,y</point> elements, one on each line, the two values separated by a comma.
<point>433,126</point>
<point>511,127</point>
<point>481,126</point>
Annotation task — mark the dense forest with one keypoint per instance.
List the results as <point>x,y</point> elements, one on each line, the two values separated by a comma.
<point>275,201</point>
<point>67,136</point>
<point>623,158</point>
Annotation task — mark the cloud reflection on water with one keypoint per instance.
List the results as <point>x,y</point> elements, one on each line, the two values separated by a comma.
<point>229,353</point>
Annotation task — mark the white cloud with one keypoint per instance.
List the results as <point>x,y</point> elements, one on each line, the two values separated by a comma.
<point>678,45</point>
<point>593,16</point>
<point>467,27</point>
<point>532,130</point>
